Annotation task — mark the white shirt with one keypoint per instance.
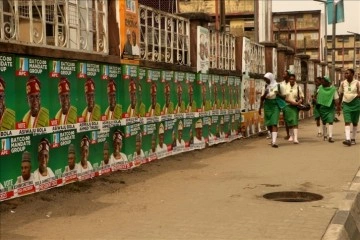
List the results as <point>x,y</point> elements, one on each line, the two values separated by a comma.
<point>135,50</point>
<point>122,159</point>
<point>102,164</point>
<point>196,140</point>
<point>1,187</point>
<point>350,90</point>
<point>161,149</point>
<point>39,177</point>
<point>141,154</point>
<point>272,92</point>
<point>81,169</point>
<point>180,143</point>
<point>67,169</point>
<point>222,135</point>
<point>292,92</point>
<point>211,136</point>
<point>283,86</point>
<point>20,179</point>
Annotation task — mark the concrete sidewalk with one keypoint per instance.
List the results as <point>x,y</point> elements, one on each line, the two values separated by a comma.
<point>216,193</point>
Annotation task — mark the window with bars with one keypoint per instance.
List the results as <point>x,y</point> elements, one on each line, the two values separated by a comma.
<point>164,37</point>
<point>75,24</point>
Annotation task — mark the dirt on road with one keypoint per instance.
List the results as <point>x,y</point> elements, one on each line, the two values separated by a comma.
<point>215,193</point>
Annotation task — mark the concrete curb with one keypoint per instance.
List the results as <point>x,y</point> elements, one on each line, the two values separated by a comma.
<point>345,224</point>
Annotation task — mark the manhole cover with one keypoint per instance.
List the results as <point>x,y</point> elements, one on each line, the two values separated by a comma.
<point>293,196</point>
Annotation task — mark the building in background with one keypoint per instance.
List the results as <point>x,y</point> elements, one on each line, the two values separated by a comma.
<point>169,6</point>
<point>347,51</point>
<point>240,16</point>
<point>299,30</point>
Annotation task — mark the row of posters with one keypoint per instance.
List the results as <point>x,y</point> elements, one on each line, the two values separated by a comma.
<point>63,121</point>
<point>38,160</point>
<point>60,92</point>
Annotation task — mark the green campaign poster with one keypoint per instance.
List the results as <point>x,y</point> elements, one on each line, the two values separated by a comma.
<point>233,127</point>
<point>149,141</point>
<point>226,127</point>
<point>167,80</point>
<point>114,148</point>
<point>104,145</point>
<point>206,130</point>
<point>178,97</point>
<point>138,155</point>
<point>151,92</point>
<point>141,96</point>
<point>47,173</point>
<point>63,85</point>
<point>214,131</point>
<point>63,148</point>
<point>189,97</point>
<point>223,93</point>
<point>202,93</point>
<point>188,134</point>
<point>237,88</point>
<point>221,125</point>
<point>238,121</point>
<point>231,91</point>
<point>110,90</point>
<point>199,140</point>
<point>161,147</point>
<point>178,145</point>
<point>16,153</point>
<point>7,88</point>
<point>89,92</point>
<point>88,153</point>
<point>169,135</point>
<point>134,155</point>
<point>215,93</point>
<point>128,92</point>
<point>33,92</point>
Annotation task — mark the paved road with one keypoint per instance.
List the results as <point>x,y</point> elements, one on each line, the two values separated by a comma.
<point>215,193</point>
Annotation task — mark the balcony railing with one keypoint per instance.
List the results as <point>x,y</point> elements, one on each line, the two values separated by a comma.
<point>311,71</point>
<point>253,57</point>
<point>222,50</point>
<point>74,24</point>
<point>297,68</point>
<point>164,37</point>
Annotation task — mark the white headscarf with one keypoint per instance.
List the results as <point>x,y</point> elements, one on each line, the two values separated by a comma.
<point>273,82</point>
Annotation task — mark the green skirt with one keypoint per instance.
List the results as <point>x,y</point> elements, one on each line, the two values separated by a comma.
<point>351,111</point>
<point>327,114</point>
<point>316,111</point>
<point>271,112</point>
<point>291,116</point>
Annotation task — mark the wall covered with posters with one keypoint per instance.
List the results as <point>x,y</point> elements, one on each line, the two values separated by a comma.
<point>74,120</point>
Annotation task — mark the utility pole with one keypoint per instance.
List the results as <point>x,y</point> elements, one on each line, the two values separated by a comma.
<point>325,29</point>
<point>332,75</point>
<point>222,16</point>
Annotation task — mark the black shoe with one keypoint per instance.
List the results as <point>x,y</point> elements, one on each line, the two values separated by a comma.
<point>336,120</point>
<point>331,140</point>
<point>286,137</point>
<point>347,142</point>
<point>274,145</point>
<point>325,138</point>
<point>353,142</point>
